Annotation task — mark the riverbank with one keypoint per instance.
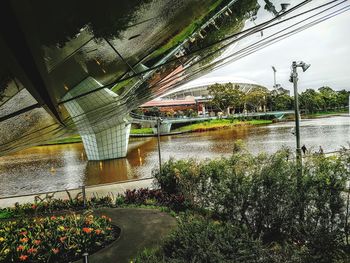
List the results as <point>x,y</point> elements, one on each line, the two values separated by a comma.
<point>197,127</point>
<point>207,126</point>
<point>219,124</point>
<point>325,114</point>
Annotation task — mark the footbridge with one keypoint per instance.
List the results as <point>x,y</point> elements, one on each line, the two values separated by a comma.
<point>166,123</point>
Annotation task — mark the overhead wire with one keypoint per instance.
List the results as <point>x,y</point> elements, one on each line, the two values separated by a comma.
<point>246,51</point>
<point>253,45</point>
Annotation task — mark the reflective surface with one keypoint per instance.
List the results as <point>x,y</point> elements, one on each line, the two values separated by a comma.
<point>49,168</point>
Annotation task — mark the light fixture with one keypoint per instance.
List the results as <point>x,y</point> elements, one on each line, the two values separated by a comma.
<point>305,66</point>
<point>284,7</point>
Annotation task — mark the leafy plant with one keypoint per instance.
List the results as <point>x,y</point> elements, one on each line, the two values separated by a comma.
<point>53,239</point>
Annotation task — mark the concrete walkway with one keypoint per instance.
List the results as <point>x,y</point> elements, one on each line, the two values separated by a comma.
<point>111,189</point>
<point>140,228</point>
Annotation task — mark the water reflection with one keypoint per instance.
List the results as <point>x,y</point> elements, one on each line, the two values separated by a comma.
<point>50,168</point>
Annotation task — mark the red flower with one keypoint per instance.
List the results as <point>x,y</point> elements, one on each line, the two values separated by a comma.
<point>23,233</point>
<point>24,240</point>
<point>62,239</point>
<point>98,231</point>
<point>23,257</point>
<point>37,242</point>
<point>32,250</point>
<point>87,230</point>
<point>20,248</point>
<point>53,217</point>
<point>34,206</point>
<point>55,250</point>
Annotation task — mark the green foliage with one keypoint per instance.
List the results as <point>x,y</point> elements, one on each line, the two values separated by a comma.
<point>53,239</point>
<point>51,205</point>
<point>142,131</point>
<point>278,102</point>
<point>295,218</point>
<point>226,95</point>
<point>325,99</point>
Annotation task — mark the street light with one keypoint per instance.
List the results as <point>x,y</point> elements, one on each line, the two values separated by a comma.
<point>274,76</point>
<point>294,79</point>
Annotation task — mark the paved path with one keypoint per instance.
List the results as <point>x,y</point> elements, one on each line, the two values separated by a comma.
<point>140,228</point>
<point>101,190</point>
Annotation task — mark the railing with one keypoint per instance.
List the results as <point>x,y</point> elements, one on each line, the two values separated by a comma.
<point>237,115</point>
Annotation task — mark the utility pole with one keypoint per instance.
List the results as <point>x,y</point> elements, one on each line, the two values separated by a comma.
<point>296,113</point>
<point>294,79</point>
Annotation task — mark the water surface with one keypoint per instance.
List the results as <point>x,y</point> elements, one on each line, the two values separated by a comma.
<point>50,168</point>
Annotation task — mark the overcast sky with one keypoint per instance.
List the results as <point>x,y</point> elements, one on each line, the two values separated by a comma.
<point>325,46</point>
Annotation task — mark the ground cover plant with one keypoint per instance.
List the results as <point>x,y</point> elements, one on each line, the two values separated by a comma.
<point>54,238</point>
<point>258,209</point>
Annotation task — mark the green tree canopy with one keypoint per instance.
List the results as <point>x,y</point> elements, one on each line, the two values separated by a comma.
<point>226,96</point>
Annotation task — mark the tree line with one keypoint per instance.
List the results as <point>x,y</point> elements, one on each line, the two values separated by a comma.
<point>231,98</point>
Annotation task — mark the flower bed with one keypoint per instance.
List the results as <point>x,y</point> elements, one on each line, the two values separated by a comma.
<point>55,238</point>
<point>54,205</point>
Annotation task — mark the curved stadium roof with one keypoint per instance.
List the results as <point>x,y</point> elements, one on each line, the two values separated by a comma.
<point>204,82</point>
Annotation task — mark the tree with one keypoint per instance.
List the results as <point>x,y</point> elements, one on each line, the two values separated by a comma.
<point>343,98</point>
<point>280,102</point>
<point>256,98</point>
<point>329,97</point>
<point>226,96</point>
<point>311,101</point>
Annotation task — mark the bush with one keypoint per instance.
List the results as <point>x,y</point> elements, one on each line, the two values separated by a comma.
<point>305,216</point>
<point>200,240</point>
<point>153,197</point>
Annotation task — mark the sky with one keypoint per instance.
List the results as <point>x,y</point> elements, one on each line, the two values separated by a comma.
<point>325,46</point>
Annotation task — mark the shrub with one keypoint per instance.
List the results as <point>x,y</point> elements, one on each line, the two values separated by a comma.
<point>153,197</point>
<point>200,240</point>
<point>265,196</point>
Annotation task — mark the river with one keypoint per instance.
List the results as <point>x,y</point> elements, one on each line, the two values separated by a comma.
<point>51,168</point>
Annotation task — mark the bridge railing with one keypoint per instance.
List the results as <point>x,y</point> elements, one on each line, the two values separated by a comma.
<point>237,115</point>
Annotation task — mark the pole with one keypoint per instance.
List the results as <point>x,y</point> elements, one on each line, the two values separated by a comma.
<point>84,195</point>
<point>158,135</point>
<point>297,117</point>
<point>85,258</point>
<point>274,77</point>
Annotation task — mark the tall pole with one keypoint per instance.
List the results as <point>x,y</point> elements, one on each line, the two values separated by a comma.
<point>297,116</point>
<point>274,76</point>
<point>158,135</point>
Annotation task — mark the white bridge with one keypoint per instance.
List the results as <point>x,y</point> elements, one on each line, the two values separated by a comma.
<point>165,123</point>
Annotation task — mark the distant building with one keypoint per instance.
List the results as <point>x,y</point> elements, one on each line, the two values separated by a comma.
<point>195,95</point>
<point>278,90</point>
<point>171,105</point>
<point>199,88</point>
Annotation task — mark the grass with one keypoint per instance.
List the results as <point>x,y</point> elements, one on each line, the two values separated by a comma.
<point>219,124</point>
<point>196,127</point>
<point>142,131</point>
<point>72,139</point>
<point>325,113</point>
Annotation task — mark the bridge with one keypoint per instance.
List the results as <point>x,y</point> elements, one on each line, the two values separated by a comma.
<point>166,123</point>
